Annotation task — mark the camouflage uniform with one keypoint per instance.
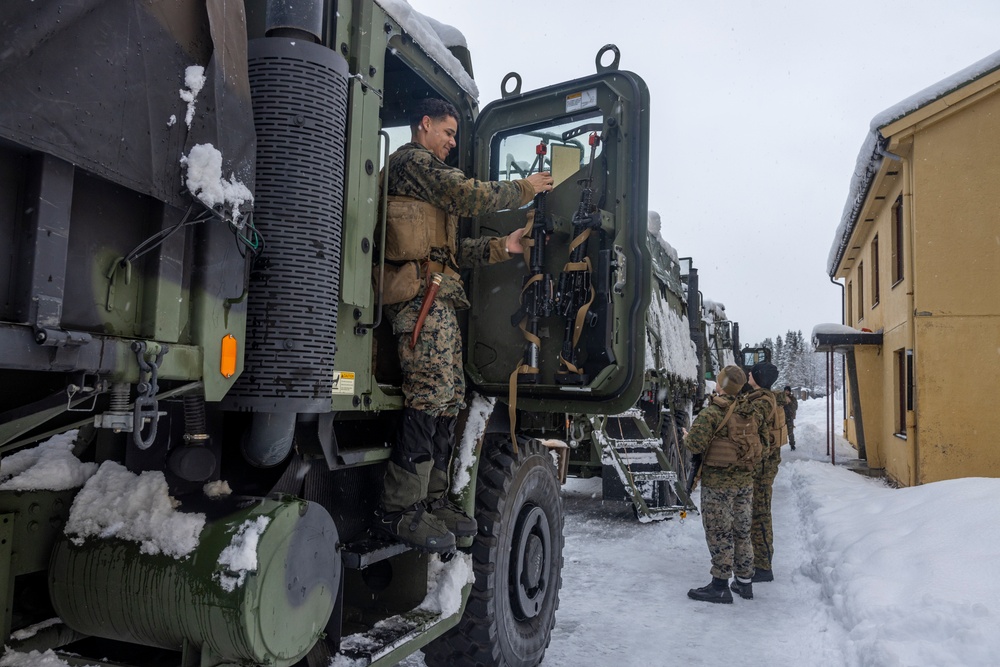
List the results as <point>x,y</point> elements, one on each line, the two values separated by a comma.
<point>726,499</point>
<point>433,376</point>
<point>762,533</point>
<point>415,506</point>
<point>790,408</point>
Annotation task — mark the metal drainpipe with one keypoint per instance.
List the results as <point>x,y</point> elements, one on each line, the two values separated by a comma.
<point>910,244</point>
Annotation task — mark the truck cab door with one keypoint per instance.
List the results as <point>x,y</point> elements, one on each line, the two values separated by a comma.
<point>564,331</point>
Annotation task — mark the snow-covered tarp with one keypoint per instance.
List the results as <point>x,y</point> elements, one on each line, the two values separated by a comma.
<point>97,83</point>
<point>871,155</point>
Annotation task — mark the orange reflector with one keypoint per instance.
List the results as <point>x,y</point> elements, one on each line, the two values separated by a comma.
<point>227,362</point>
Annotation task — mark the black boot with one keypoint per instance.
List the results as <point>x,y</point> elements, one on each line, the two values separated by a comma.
<point>743,587</point>
<point>760,575</point>
<point>440,503</point>
<point>403,514</point>
<point>717,591</point>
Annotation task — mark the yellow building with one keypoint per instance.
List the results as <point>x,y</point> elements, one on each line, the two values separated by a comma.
<point>918,255</point>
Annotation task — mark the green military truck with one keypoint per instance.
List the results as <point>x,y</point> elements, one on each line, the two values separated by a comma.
<point>198,389</point>
<point>638,453</point>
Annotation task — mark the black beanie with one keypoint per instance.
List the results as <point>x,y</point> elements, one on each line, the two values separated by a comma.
<point>788,387</point>
<point>764,374</point>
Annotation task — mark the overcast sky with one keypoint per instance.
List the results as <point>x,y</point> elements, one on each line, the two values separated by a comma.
<point>759,110</point>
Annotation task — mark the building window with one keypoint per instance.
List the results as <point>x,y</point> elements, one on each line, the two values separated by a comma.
<point>904,388</point>
<point>874,265</point>
<point>861,291</point>
<point>850,303</point>
<point>897,240</point>
<point>909,379</point>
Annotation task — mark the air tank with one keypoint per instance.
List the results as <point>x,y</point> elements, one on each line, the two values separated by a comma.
<point>271,616</point>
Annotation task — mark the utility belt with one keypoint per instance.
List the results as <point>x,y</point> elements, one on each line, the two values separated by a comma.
<point>402,281</point>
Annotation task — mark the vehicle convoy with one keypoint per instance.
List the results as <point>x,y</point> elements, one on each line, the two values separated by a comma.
<point>198,389</point>
<point>638,453</point>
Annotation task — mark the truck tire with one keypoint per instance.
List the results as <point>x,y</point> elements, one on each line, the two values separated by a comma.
<point>517,559</point>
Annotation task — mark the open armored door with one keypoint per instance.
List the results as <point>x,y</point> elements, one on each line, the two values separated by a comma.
<point>566,324</point>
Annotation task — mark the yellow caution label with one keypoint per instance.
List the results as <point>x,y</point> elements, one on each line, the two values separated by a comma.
<point>343,382</point>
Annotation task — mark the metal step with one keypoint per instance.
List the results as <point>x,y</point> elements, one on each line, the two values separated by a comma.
<point>359,555</point>
<point>654,476</point>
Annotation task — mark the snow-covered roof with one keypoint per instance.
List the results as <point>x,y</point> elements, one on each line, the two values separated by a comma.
<point>434,38</point>
<point>871,155</point>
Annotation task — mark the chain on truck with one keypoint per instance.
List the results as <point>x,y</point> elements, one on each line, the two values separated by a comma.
<point>198,388</point>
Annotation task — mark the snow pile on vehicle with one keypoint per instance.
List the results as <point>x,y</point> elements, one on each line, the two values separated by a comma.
<point>204,180</point>
<point>434,38</point>
<point>240,557</point>
<point>217,489</point>
<point>479,412</point>
<point>33,659</point>
<point>50,466</point>
<point>445,582</point>
<point>194,79</point>
<point>138,508</point>
<point>668,341</point>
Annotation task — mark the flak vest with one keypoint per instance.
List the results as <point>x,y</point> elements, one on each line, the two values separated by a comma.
<point>412,229</point>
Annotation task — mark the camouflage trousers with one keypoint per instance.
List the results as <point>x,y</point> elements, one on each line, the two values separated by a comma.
<point>791,432</point>
<point>762,534</point>
<point>726,513</point>
<point>433,375</point>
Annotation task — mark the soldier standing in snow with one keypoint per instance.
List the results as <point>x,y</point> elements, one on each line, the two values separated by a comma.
<point>727,485</point>
<point>768,406</point>
<point>427,195</point>
<point>790,408</point>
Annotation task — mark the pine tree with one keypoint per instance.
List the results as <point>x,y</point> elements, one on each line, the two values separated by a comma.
<point>779,358</point>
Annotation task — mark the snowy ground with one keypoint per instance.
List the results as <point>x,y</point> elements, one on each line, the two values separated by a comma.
<point>624,597</point>
<point>866,576</point>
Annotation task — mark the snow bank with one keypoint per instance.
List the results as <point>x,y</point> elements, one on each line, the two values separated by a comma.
<point>904,568</point>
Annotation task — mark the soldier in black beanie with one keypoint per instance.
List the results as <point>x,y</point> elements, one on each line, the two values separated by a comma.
<point>772,414</point>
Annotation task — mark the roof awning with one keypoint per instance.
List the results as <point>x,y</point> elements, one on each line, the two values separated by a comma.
<point>841,338</point>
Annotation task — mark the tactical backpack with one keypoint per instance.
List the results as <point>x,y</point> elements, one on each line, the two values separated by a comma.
<point>741,446</point>
<point>779,432</point>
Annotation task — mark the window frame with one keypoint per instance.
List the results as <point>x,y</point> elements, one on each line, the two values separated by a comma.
<point>904,390</point>
<point>850,303</point>
<point>898,232</point>
<point>860,276</point>
<point>876,295</point>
